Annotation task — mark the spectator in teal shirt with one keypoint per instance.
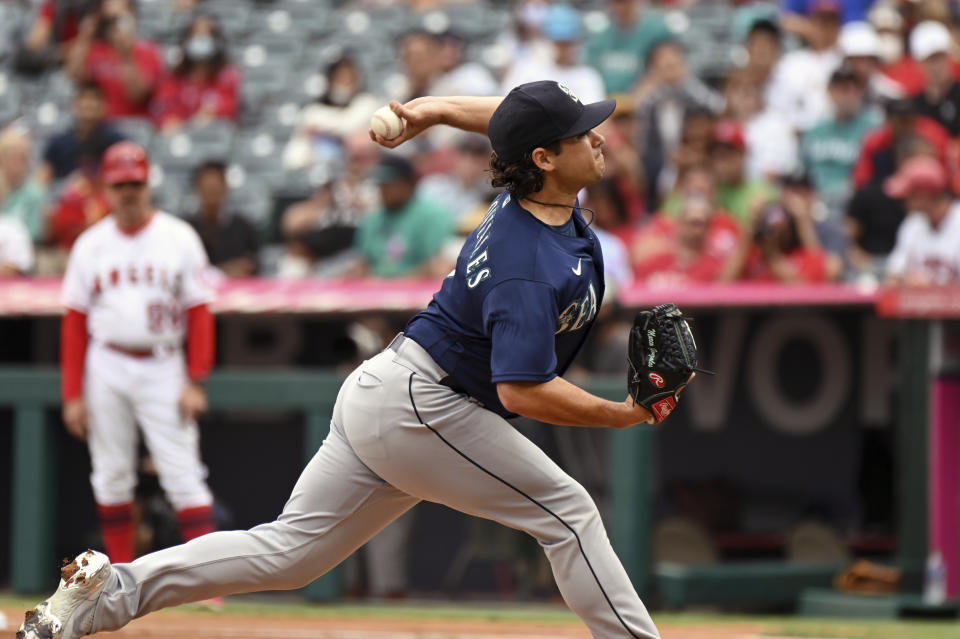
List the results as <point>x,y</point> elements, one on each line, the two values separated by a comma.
<point>406,236</point>
<point>26,199</point>
<point>618,52</point>
<point>830,149</point>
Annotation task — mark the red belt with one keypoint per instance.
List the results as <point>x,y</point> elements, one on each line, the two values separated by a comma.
<point>139,353</point>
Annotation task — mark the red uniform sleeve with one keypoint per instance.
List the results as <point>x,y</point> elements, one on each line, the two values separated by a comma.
<point>201,342</point>
<point>73,352</point>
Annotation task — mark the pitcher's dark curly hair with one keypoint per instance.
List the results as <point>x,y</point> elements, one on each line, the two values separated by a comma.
<point>521,177</point>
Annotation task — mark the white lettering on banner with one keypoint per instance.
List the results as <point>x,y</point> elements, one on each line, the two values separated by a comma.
<point>834,380</point>
<point>878,376</point>
<point>711,395</point>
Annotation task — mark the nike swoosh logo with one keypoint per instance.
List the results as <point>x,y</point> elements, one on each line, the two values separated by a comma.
<point>576,271</point>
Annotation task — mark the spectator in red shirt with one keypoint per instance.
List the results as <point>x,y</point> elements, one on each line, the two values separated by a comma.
<point>82,203</point>
<point>783,247</point>
<point>108,51</point>
<point>204,85</point>
<point>56,25</point>
<point>694,247</point>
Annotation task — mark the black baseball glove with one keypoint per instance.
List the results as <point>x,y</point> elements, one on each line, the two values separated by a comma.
<point>662,355</point>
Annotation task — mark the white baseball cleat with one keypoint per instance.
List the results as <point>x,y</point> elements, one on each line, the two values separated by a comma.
<point>80,585</point>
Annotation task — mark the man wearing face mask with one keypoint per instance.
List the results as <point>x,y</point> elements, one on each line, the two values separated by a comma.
<point>204,85</point>
<point>108,51</point>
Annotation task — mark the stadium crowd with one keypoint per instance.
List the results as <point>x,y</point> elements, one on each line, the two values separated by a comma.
<point>813,141</point>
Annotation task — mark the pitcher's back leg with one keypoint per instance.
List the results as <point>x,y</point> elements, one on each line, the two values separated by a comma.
<point>337,505</point>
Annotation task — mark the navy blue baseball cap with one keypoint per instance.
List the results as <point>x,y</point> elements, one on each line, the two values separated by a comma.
<point>540,113</point>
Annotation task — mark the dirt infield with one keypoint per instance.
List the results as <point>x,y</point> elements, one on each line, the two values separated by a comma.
<point>284,619</point>
<point>226,625</point>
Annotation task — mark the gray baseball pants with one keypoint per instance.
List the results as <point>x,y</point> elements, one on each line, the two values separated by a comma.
<point>397,436</point>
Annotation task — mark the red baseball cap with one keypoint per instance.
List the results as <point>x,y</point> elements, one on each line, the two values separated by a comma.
<point>729,133</point>
<point>824,6</point>
<point>125,162</point>
<point>918,173</point>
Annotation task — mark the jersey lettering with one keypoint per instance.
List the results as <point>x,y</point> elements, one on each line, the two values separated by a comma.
<point>134,290</point>
<point>483,229</point>
<point>474,279</point>
<point>581,311</point>
<point>479,277</point>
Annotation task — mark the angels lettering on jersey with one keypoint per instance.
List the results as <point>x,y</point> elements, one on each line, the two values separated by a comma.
<point>146,275</point>
<point>136,287</point>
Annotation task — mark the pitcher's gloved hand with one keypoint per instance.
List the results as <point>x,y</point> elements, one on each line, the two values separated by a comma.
<point>663,357</point>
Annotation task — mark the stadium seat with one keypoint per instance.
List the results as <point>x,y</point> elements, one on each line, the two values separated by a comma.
<point>59,89</point>
<point>234,17</point>
<point>249,195</point>
<point>169,190</point>
<point>9,99</point>
<point>279,120</point>
<point>277,23</point>
<point>257,151</point>
<point>11,15</point>
<point>155,20</point>
<point>318,16</point>
<point>47,119</point>
<point>139,130</point>
<point>305,86</point>
<point>213,139</point>
<point>177,152</point>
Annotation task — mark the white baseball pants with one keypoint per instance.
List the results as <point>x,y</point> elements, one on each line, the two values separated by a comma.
<point>122,392</point>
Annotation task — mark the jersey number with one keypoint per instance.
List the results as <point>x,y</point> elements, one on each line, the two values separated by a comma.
<point>162,316</point>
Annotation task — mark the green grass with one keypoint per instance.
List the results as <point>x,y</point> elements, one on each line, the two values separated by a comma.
<point>261,606</point>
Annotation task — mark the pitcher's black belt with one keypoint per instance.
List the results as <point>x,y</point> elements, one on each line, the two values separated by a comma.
<point>447,381</point>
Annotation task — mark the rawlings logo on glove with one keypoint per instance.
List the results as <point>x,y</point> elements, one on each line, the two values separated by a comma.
<point>662,355</point>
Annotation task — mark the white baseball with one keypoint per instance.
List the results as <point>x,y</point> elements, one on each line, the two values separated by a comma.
<point>386,123</point>
<point>3,622</point>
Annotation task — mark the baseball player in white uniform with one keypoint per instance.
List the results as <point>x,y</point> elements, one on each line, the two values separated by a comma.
<point>135,292</point>
<point>927,251</point>
<point>426,419</point>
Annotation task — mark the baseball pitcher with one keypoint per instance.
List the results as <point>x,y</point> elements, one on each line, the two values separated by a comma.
<point>427,418</point>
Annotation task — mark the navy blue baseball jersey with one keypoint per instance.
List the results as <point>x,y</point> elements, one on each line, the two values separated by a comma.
<point>519,304</point>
